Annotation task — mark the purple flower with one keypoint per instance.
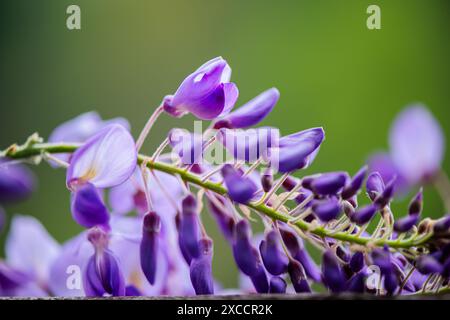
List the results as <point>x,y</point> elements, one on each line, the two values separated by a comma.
<point>267,180</point>
<point>80,128</point>
<point>240,189</point>
<point>427,264</point>
<point>277,285</point>
<point>327,209</point>
<point>406,223</point>
<point>275,260</point>
<point>260,281</point>
<point>357,261</point>
<point>374,185</point>
<point>189,227</point>
<point>250,113</point>
<point>103,274</point>
<point>224,219</point>
<point>297,151</point>
<point>357,283</point>
<point>87,207</point>
<point>17,182</point>
<point>245,254</point>
<point>207,93</point>
<point>442,225</point>
<point>106,160</point>
<point>329,183</point>
<point>332,273</point>
<point>298,277</point>
<point>416,144</point>
<point>385,167</point>
<point>297,250</point>
<point>30,249</point>
<point>201,269</point>
<point>11,280</point>
<point>149,245</point>
<point>386,195</point>
<point>188,146</point>
<point>352,188</point>
<point>251,144</point>
<point>416,204</point>
<point>364,215</point>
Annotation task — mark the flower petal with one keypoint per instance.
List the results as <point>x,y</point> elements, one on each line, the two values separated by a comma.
<point>106,160</point>
<point>88,208</point>
<point>417,144</point>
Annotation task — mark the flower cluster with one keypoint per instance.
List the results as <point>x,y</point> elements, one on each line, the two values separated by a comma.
<point>144,230</point>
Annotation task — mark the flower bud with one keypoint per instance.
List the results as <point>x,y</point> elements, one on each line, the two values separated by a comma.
<point>442,225</point>
<point>357,283</point>
<point>189,226</point>
<point>416,204</point>
<point>327,210</point>
<point>240,189</point>
<point>245,254</point>
<point>386,196</point>
<point>329,183</point>
<point>355,184</point>
<point>259,280</point>
<point>149,245</point>
<point>357,261</point>
<point>267,180</point>
<point>406,223</point>
<point>427,264</point>
<point>332,273</point>
<point>298,277</point>
<point>201,269</point>
<point>364,214</point>
<point>275,260</point>
<point>88,208</point>
<point>374,185</point>
<point>277,285</point>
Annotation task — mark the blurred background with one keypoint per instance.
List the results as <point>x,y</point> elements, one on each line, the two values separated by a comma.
<point>331,70</point>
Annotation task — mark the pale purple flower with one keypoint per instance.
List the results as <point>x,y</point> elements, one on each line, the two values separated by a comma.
<point>251,113</point>
<point>17,182</point>
<point>30,249</point>
<point>417,144</point>
<point>106,160</point>
<point>207,93</point>
<point>80,128</point>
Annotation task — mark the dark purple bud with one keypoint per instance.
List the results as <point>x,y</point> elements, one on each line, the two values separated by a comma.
<point>427,264</point>
<point>357,283</point>
<point>132,291</point>
<point>374,185</point>
<point>289,183</point>
<point>88,208</point>
<point>149,245</point>
<point>201,269</point>
<point>267,180</point>
<point>295,246</point>
<point>240,189</point>
<point>277,285</point>
<point>391,282</point>
<point>343,253</point>
<point>357,261</point>
<point>329,183</point>
<point>332,273</point>
<point>259,280</point>
<point>224,219</point>
<point>382,258</point>
<point>245,254</point>
<point>275,260</point>
<point>298,277</point>
<point>17,182</point>
<point>189,226</point>
<point>442,225</point>
<point>364,215</point>
<point>386,196</point>
<point>355,184</point>
<point>406,223</point>
<point>416,204</point>
<point>327,210</point>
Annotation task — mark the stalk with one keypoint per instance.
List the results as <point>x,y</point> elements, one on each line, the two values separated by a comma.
<point>31,149</point>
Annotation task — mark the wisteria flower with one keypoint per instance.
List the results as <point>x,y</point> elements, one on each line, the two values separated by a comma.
<point>207,93</point>
<point>17,182</point>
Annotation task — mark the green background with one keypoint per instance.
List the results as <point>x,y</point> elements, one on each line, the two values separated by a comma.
<point>331,70</point>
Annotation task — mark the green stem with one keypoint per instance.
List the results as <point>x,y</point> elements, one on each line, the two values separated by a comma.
<point>37,149</point>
